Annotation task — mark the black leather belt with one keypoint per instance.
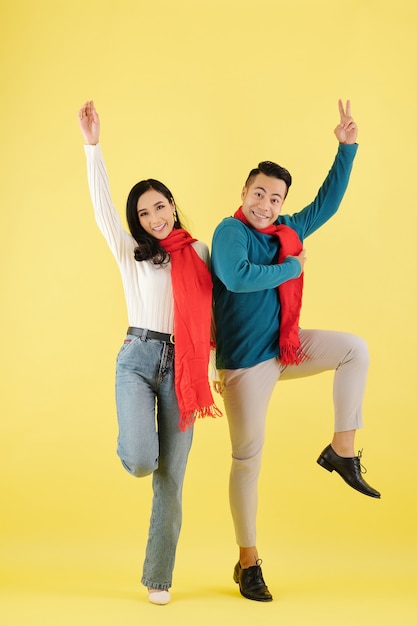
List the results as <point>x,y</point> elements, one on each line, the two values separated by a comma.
<point>144,333</point>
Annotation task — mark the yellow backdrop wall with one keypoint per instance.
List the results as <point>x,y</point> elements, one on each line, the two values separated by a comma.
<point>196,93</point>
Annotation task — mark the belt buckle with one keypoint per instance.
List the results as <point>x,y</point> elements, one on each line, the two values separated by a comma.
<point>171,338</point>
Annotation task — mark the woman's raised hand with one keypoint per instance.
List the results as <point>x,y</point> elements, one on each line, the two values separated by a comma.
<point>89,123</point>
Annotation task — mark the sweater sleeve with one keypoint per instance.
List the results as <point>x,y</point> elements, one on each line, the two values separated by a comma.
<point>329,196</point>
<point>232,265</point>
<point>107,218</point>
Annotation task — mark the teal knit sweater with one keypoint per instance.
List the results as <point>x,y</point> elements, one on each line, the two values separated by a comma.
<point>246,274</point>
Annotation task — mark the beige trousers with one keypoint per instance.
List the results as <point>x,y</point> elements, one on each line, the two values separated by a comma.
<point>247,392</point>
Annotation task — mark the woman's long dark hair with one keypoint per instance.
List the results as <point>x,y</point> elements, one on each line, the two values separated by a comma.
<point>148,248</point>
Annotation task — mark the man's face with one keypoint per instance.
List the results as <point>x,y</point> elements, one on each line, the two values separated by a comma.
<point>262,201</point>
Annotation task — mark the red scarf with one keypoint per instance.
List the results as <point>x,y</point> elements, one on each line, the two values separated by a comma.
<point>192,289</point>
<point>290,292</point>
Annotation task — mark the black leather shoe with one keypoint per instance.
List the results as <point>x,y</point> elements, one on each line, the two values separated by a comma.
<point>251,584</point>
<point>348,468</point>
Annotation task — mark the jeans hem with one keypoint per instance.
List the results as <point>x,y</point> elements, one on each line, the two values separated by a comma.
<point>159,586</point>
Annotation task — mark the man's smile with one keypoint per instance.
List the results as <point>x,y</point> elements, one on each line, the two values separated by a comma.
<point>262,217</point>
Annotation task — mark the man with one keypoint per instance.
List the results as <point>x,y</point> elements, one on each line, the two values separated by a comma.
<point>257,263</point>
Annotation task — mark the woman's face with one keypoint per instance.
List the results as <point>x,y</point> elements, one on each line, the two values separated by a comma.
<point>156,214</point>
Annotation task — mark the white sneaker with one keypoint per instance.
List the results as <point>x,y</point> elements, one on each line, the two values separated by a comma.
<point>159,597</point>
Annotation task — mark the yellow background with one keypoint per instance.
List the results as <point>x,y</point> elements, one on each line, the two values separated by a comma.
<point>196,93</point>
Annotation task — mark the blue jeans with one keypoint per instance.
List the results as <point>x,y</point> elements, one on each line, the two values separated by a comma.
<point>151,442</point>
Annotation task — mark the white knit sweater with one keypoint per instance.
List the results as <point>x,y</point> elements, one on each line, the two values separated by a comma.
<point>147,287</point>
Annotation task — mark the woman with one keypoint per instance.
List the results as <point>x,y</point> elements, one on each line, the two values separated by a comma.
<point>168,288</point>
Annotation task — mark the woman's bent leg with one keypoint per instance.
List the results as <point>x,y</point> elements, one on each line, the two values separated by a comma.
<point>136,377</point>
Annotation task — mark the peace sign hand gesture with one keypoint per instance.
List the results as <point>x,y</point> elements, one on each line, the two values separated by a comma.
<point>346,131</point>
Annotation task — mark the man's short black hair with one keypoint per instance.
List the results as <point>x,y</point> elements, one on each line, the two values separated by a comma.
<point>269,168</point>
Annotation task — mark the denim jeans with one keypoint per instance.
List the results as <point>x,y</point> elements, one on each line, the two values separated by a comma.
<point>151,442</point>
